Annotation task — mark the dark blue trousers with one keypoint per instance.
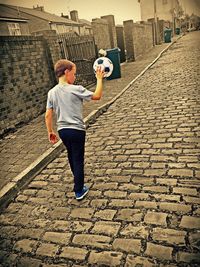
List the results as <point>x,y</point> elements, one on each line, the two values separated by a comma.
<point>74,141</point>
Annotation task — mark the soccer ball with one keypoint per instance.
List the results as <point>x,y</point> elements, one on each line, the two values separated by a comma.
<point>105,64</point>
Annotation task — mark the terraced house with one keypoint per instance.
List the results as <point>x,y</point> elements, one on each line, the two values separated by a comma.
<point>15,20</point>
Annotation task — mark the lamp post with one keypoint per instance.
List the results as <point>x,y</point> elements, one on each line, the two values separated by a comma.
<point>156,22</point>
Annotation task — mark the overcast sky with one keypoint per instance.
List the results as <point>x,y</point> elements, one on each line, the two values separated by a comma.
<point>87,9</point>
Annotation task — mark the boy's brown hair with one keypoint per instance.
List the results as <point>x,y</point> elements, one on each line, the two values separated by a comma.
<point>61,66</point>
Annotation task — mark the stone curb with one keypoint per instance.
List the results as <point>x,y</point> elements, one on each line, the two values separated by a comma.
<point>10,191</point>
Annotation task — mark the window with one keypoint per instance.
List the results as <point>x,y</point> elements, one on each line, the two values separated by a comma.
<point>54,27</point>
<point>14,29</point>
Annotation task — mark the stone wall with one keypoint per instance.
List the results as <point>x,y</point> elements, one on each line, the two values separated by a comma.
<point>120,42</point>
<point>26,76</point>
<point>101,33</point>
<point>128,37</point>
<point>138,38</point>
<point>112,30</point>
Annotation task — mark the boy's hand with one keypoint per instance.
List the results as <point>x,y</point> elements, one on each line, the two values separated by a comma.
<point>99,73</point>
<point>53,138</point>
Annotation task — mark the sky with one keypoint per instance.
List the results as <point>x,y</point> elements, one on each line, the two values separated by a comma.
<point>191,6</point>
<point>87,9</point>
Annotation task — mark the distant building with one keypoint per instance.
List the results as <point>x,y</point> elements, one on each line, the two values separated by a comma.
<point>37,20</point>
<point>12,23</point>
<point>86,25</point>
<point>167,10</point>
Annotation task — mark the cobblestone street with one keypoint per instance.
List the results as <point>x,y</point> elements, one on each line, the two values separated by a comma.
<point>143,171</point>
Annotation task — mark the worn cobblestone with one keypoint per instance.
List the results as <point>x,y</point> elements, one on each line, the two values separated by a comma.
<point>142,167</point>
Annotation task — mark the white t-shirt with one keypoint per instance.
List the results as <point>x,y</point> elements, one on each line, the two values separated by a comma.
<point>67,102</point>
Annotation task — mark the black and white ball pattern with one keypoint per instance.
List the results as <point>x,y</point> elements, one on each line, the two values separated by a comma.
<point>105,64</point>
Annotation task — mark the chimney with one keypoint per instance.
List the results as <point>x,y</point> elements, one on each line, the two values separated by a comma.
<point>64,16</point>
<point>74,15</point>
<point>39,8</point>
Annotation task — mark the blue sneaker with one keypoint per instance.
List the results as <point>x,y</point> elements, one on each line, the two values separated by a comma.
<point>82,194</point>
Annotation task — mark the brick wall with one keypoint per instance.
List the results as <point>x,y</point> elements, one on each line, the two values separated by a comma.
<point>101,33</point>
<point>25,79</point>
<point>138,38</point>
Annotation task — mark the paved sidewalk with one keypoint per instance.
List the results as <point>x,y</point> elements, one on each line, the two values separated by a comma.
<point>143,170</point>
<point>21,148</point>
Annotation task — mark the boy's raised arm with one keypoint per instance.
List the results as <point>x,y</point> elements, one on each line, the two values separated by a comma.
<point>99,87</point>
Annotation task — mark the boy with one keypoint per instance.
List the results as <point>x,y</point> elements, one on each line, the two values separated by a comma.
<point>66,99</point>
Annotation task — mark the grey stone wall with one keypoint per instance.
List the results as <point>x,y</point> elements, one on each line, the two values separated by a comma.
<point>128,36</point>
<point>120,42</point>
<point>112,30</point>
<point>138,38</point>
<point>101,33</point>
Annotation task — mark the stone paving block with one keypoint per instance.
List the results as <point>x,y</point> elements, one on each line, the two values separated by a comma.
<point>136,196</point>
<point>165,181</point>
<point>106,214</point>
<point>40,223</point>
<point>7,231</point>
<point>115,194</point>
<point>127,245</point>
<point>33,233</point>
<point>30,262</point>
<point>189,183</point>
<point>157,218</point>
<point>59,225</point>
<point>190,222</point>
<point>105,186</point>
<point>59,213</point>
<point>25,245</point>
<point>129,215</point>
<point>37,184</point>
<point>181,172</point>
<point>114,171</point>
<point>154,172</point>
<point>80,226</point>
<point>129,187</point>
<point>135,231</point>
<point>73,253</point>
<point>185,191</point>
<point>170,236</point>
<point>99,202</point>
<point>156,189</point>
<point>106,228</point>
<point>194,239</point>
<point>121,203</point>
<point>141,180</point>
<point>120,179</point>
<point>164,197</point>
<point>175,207</point>
<point>159,251</point>
<point>92,240</point>
<point>146,204</point>
<point>54,237</point>
<point>105,258</point>
<point>192,258</point>
<point>82,213</point>
<point>134,261</point>
<point>46,249</point>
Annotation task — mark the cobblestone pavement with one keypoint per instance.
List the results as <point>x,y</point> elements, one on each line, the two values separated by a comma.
<point>21,148</point>
<point>143,170</point>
